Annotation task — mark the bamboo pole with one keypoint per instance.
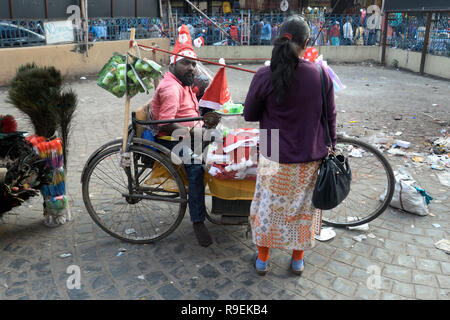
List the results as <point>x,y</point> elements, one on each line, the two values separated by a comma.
<point>196,59</point>
<point>84,15</point>
<point>86,26</point>
<point>128,99</point>
<point>155,81</point>
<point>171,23</point>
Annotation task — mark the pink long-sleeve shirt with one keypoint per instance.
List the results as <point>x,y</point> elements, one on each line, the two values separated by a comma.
<point>173,100</point>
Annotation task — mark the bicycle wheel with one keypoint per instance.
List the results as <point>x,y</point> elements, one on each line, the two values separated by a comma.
<point>132,204</point>
<point>372,185</point>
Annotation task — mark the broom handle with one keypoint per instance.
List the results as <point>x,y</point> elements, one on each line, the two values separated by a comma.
<point>127,102</point>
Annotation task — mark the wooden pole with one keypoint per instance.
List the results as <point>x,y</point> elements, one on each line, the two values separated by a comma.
<point>11,11</point>
<point>46,9</point>
<point>155,81</point>
<point>171,23</point>
<point>383,39</point>
<point>128,99</point>
<point>86,27</point>
<point>84,17</point>
<point>425,42</point>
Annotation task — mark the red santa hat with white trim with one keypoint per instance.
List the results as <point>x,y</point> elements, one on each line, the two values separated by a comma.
<point>217,94</point>
<point>183,45</point>
<point>199,42</point>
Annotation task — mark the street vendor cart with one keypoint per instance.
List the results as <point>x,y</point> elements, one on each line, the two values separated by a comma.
<point>146,200</point>
<point>135,189</point>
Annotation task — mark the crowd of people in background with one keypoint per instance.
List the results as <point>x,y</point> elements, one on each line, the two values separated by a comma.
<point>262,29</point>
<point>405,31</point>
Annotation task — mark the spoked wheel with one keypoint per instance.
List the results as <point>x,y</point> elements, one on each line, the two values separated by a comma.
<point>142,203</point>
<point>372,185</point>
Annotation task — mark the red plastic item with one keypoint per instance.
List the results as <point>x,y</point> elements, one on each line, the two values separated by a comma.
<point>311,54</point>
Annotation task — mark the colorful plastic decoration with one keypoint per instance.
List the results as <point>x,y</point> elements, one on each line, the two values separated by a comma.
<point>56,209</point>
<point>311,54</point>
<point>336,81</point>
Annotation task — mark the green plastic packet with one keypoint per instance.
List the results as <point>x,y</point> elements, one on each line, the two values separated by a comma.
<point>147,67</point>
<point>148,83</point>
<point>108,76</point>
<point>133,90</point>
<point>132,77</point>
<point>232,108</point>
<point>156,69</point>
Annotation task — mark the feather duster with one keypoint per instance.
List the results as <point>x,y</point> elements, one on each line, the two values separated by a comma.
<point>40,93</point>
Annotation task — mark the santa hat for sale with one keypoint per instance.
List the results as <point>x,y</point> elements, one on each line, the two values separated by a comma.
<point>183,45</point>
<point>217,94</point>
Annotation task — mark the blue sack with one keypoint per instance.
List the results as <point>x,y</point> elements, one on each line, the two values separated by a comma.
<point>148,135</point>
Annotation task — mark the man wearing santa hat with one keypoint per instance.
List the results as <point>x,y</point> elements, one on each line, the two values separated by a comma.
<point>174,98</point>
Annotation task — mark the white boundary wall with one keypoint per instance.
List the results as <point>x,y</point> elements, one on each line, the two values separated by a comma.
<point>75,64</point>
<point>434,65</point>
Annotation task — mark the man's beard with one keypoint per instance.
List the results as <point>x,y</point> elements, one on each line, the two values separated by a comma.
<point>187,79</point>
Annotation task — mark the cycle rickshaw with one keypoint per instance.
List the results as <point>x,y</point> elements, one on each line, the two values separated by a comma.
<point>122,202</point>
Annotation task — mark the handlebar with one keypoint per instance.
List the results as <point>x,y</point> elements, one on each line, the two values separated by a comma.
<point>164,121</point>
<point>211,119</point>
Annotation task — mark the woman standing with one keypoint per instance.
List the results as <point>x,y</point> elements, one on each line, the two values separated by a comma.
<point>287,97</point>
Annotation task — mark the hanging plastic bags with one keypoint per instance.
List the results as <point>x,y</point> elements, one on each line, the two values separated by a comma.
<point>117,77</point>
<point>312,55</point>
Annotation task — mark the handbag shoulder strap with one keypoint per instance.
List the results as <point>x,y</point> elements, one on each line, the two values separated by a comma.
<point>324,104</point>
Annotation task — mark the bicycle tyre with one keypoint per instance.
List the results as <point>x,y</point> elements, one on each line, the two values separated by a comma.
<point>138,152</point>
<point>367,150</point>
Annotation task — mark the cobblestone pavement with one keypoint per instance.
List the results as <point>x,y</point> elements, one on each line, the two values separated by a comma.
<point>409,265</point>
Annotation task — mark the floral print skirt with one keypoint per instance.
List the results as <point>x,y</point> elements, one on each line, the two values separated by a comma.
<point>282,214</point>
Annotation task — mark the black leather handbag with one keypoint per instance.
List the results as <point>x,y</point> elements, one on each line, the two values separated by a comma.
<point>333,183</point>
